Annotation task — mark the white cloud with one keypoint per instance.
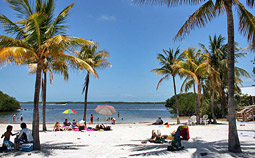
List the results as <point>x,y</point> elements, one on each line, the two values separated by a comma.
<point>107,18</point>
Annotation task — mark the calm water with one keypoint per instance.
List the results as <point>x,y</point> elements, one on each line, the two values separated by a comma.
<point>128,113</point>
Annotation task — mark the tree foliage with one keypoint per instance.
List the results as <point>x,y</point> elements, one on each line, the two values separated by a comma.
<point>186,104</point>
<point>8,103</point>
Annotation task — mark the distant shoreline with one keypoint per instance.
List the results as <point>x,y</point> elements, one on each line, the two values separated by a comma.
<point>100,102</point>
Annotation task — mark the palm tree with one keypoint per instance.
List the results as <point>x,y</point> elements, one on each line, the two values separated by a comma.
<point>37,36</point>
<point>168,60</point>
<point>218,60</point>
<point>50,66</point>
<point>89,54</point>
<point>200,18</point>
<point>194,67</point>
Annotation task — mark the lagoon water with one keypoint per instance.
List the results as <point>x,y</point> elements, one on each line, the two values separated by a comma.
<point>129,113</point>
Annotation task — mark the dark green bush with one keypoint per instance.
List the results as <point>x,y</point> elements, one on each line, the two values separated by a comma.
<point>8,103</point>
<point>186,104</point>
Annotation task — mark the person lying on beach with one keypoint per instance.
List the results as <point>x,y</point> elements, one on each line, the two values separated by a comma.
<point>25,136</point>
<point>7,136</point>
<point>102,126</point>
<point>157,138</point>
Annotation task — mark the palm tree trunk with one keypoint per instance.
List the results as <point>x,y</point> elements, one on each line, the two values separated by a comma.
<point>212,106</point>
<point>44,100</point>
<point>223,101</point>
<point>233,140</point>
<point>176,102</point>
<point>35,129</point>
<point>86,97</point>
<point>198,105</point>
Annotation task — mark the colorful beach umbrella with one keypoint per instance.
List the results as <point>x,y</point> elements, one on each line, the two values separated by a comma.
<point>69,111</point>
<point>105,110</point>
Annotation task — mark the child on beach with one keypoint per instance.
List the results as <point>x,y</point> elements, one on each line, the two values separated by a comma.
<point>7,135</point>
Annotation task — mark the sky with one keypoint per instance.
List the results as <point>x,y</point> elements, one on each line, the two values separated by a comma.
<point>133,35</point>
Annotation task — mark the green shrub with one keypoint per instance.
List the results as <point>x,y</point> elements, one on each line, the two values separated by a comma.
<point>8,103</point>
<point>186,104</point>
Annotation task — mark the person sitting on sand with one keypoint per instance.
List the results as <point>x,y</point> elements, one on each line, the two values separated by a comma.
<point>81,125</point>
<point>25,136</point>
<point>57,127</point>
<point>113,121</point>
<point>7,136</point>
<point>74,123</point>
<point>159,121</point>
<point>66,123</point>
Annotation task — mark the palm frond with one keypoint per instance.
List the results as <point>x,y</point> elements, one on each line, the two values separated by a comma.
<point>165,77</point>
<point>198,19</point>
<point>168,2</point>
<point>11,27</point>
<point>250,3</point>
<point>246,23</point>
<point>14,54</point>
<point>56,27</point>
<point>22,7</point>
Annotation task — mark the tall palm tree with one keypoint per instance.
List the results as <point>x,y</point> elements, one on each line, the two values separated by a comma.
<point>168,61</point>
<point>194,67</point>
<point>37,36</point>
<point>89,54</point>
<point>207,11</point>
<point>50,66</point>
<point>218,61</point>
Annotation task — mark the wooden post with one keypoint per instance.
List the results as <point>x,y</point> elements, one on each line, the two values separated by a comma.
<point>253,113</point>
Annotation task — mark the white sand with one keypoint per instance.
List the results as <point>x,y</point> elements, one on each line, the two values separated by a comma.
<point>125,141</point>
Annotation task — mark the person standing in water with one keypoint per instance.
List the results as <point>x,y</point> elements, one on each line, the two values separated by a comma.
<point>21,117</point>
<point>14,117</point>
<point>91,118</point>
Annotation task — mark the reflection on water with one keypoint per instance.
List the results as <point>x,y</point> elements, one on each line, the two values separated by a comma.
<point>128,113</point>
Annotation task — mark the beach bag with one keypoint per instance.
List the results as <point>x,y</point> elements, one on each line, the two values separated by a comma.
<point>185,133</point>
<point>27,147</point>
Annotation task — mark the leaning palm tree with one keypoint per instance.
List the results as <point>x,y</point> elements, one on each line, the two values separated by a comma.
<point>168,60</point>
<point>209,10</point>
<point>37,36</point>
<point>89,54</point>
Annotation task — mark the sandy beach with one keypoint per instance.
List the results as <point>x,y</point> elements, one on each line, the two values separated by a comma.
<point>124,140</point>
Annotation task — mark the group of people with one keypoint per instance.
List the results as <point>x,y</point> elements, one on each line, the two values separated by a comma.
<point>18,118</point>
<point>66,125</point>
<point>22,137</point>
